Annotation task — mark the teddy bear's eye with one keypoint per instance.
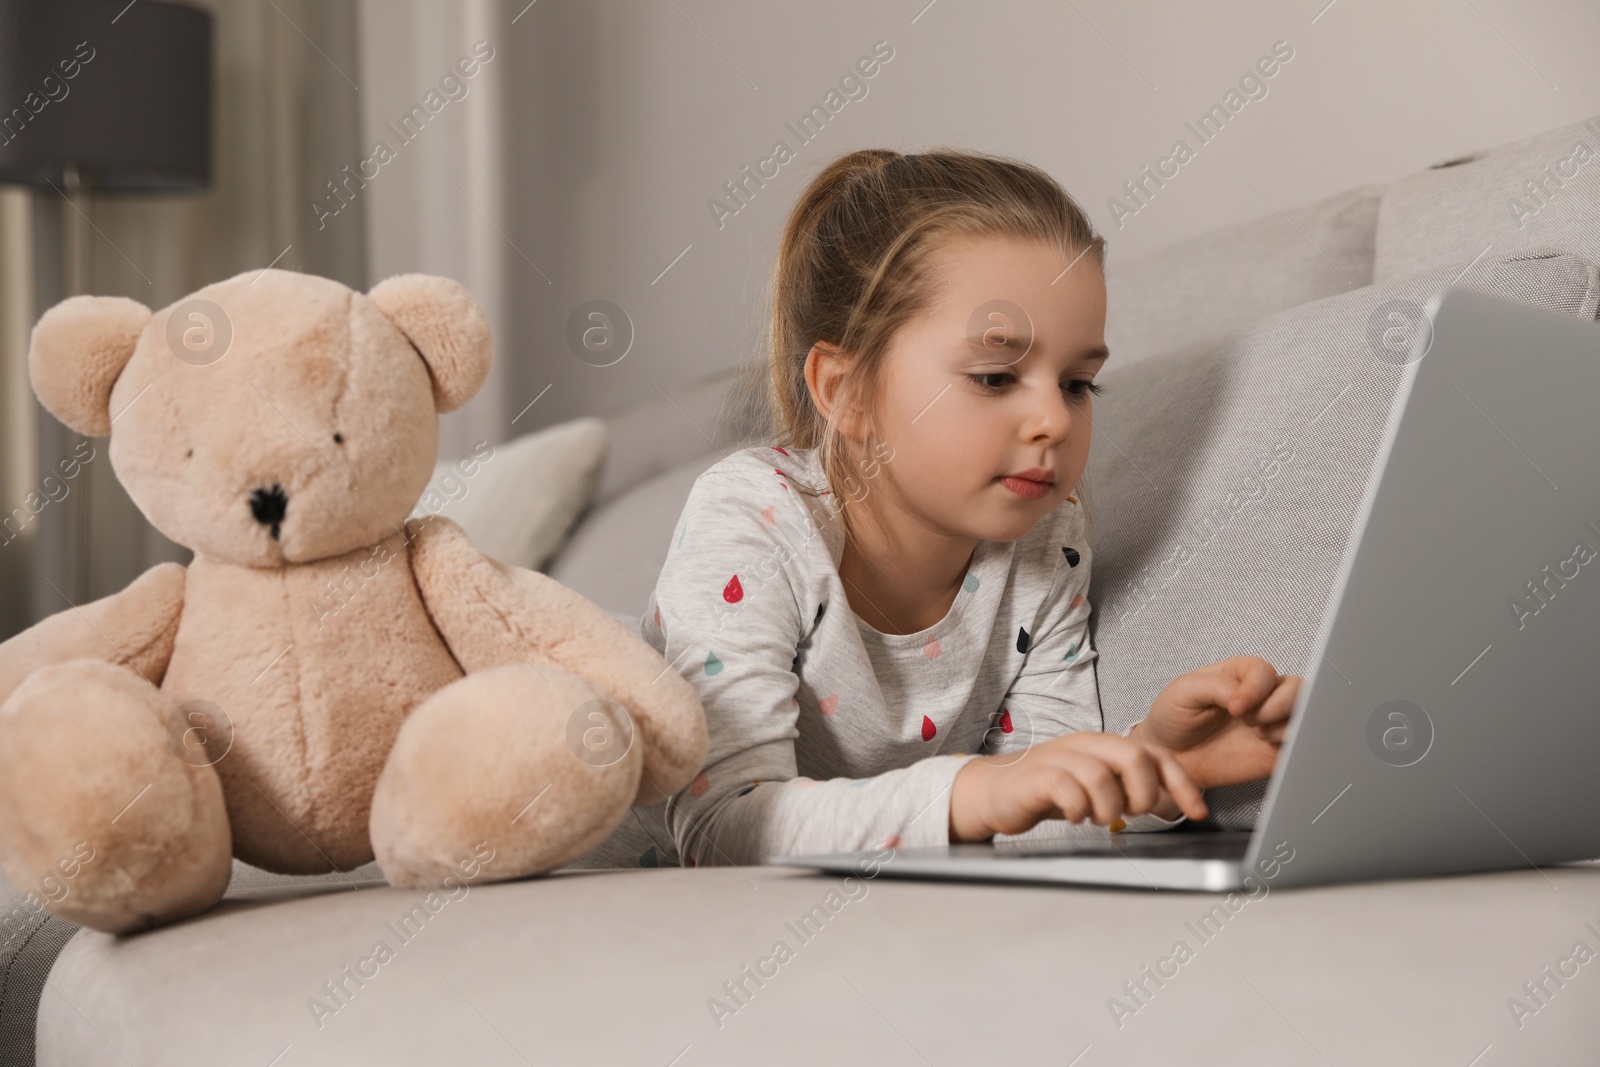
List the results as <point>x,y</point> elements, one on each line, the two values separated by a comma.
<point>338,438</point>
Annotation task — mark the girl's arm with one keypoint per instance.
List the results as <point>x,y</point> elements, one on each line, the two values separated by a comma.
<point>727,614</point>
<point>1056,693</point>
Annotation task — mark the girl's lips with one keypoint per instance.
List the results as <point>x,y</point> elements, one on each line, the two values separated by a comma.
<point>1027,487</point>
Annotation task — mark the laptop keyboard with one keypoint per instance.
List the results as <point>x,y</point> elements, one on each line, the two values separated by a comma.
<point>1200,846</point>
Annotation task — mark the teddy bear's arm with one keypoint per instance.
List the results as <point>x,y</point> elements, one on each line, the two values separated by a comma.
<point>491,614</point>
<point>135,628</point>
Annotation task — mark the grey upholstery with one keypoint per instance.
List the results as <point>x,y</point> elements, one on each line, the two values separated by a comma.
<point>33,940</point>
<point>621,967</point>
<point>1450,214</point>
<point>1216,283</point>
<point>677,426</point>
<point>621,546</point>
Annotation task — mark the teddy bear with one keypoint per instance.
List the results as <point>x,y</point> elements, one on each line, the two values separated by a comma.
<point>455,718</point>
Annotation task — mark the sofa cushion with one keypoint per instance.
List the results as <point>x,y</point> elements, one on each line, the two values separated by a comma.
<point>615,555</point>
<point>674,426</point>
<point>34,938</point>
<point>1218,282</point>
<point>1543,191</point>
<point>517,500</point>
<point>1226,479</point>
<point>680,967</point>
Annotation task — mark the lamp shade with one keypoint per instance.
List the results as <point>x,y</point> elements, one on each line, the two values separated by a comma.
<point>119,90</point>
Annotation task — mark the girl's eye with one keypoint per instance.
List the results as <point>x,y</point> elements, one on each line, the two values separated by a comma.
<point>1088,388</point>
<point>989,383</point>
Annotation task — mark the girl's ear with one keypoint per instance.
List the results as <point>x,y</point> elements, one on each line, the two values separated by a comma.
<point>442,320</point>
<point>78,349</point>
<point>827,377</point>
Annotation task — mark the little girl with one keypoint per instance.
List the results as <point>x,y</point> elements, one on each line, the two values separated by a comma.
<point>886,613</point>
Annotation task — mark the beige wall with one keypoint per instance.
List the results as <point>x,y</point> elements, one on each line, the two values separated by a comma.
<point>621,119</point>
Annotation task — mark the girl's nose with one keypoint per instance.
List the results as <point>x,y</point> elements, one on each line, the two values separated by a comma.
<point>1051,417</point>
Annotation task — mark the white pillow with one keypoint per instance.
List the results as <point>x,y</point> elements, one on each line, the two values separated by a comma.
<point>517,500</point>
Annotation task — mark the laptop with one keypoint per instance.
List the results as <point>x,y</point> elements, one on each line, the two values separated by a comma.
<point>1450,719</point>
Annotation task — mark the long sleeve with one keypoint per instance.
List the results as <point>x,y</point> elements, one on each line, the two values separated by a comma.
<point>732,607</point>
<point>1056,691</point>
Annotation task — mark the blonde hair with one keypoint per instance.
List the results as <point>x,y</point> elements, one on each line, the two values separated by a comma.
<point>852,268</point>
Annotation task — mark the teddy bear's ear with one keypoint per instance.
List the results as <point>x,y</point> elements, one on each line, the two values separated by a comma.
<point>78,349</point>
<point>446,325</point>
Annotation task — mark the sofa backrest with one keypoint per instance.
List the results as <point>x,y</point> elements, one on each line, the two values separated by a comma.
<point>1221,281</point>
<point>671,427</point>
<point>1540,192</point>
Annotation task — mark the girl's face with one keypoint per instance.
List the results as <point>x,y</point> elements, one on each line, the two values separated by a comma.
<point>986,398</point>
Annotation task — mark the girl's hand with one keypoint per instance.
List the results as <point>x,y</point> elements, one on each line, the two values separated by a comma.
<point>1080,776</point>
<point>1224,723</point>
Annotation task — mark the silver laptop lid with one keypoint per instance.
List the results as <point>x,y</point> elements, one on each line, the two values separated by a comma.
<point>1451,718</point>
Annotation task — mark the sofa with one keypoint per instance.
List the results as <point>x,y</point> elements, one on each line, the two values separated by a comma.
<point>1272,339</point>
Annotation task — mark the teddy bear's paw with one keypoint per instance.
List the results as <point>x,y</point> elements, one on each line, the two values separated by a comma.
<point>103,821</point>
<point>507,772</point>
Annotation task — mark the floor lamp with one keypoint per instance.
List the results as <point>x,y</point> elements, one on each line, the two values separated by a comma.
<point>100,97</point>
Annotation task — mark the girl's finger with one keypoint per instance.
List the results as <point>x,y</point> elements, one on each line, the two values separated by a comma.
<point>1202,689</point>
<point>1237,685</point>
<point>1188,796</point>
<point>1255,681</point>
<point>1280,704</point>
<point>1141,777</point>
<point>1100,782</point>
<point>1071,802</point>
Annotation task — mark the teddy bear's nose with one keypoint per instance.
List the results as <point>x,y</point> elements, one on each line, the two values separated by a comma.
<point>268,506</point>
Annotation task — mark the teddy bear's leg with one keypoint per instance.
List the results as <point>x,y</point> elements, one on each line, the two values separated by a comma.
<point>103,821</point>
<point>504,773</point>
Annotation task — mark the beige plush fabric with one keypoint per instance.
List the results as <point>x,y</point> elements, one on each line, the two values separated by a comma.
<point>457,580</point>
<point>440,319</point>
<point>94,334</point>
<point>325,683</point>
<point>310,731</point>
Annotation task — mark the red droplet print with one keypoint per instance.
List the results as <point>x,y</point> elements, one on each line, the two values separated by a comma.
<point>699,786</point>
<point>780,448</point>
<point>733,592</point>
<point>928,729</point>
<point>1005,721</point>
<point>1077,602</point>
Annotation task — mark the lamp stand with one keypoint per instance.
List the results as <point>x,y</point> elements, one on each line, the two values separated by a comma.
<point>78,263</point>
